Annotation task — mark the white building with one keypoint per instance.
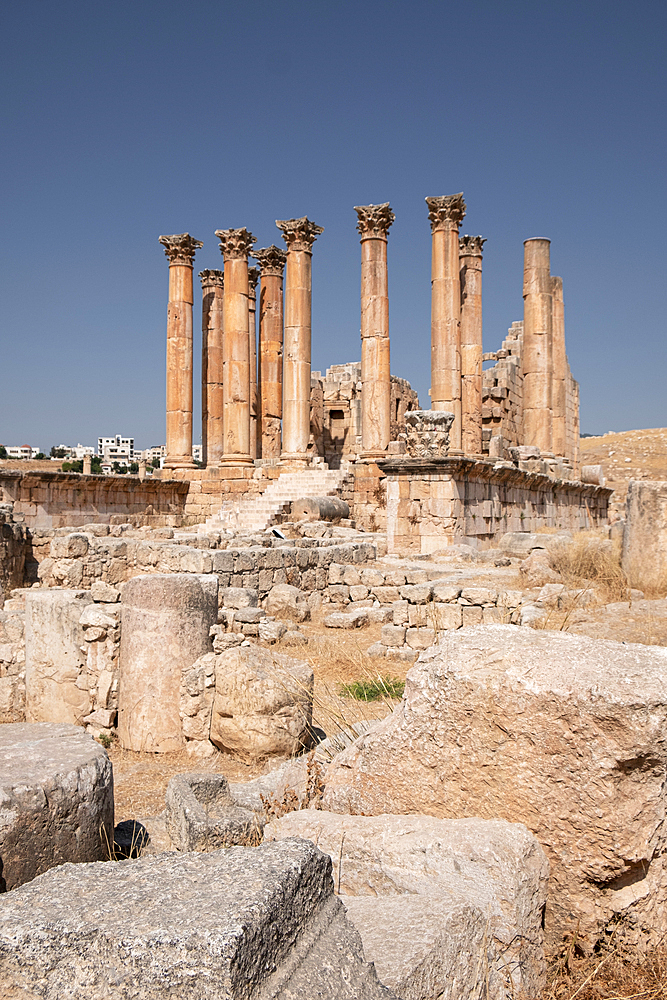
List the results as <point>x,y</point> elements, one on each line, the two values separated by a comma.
<point>22,451</point>
<point>155,454</point>
<point>81,451</point>
<point>116,449</point>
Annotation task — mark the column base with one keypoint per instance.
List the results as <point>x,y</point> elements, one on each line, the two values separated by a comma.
<point>179,462</point>
<point>238,459</point>
<point>372,456</point>
<point>295,457</point>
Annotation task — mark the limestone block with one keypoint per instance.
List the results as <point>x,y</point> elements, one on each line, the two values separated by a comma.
<point>56,800</point>
<point>348,620</point>
<point>386,595</point>
<point>644,556</point>
<point>418,614</point>
<point>479,595</point>
<point>197,691</point>
<point>240,922</point>
<point>359,593</point>
<point>288,603</point>
<point>339,593</point>
<point>201,815</point>
<point>69,547</point>
<point>239,597</point>
<point>166,620</point>
<point>446,616</point>
<point>419,593</point>
<point>371,577</point>
<point>471,615</point>
<point>55,660</point>
<point>263,703</point>
<point>392,635</point>
<point>104,593</point>
<point>563,733</point>
<point>400,612</point>
<point>426,894</point>
<point>420,638</point>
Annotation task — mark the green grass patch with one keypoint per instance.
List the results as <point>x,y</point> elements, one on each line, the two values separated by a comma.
<point>374,688</point>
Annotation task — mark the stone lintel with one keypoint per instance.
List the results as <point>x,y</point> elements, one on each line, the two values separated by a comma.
<point>446,211</point>
<point>299,234</point>
<point>271,260</point>
<point>235,244</point>
<point>374,221</point>
<point>180,248</point>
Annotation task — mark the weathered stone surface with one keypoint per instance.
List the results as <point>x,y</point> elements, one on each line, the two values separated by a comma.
<point>166,620</point>
<point>319,509</point>
<point>560,732</point>
<point>55,662</point>
<point>202,816</point>
<point>239,597</point>
<point>465,881</point>
<point>263,703</point>
<point>348,620</point>
<point>56,800</point>
<point>104,592</point>
<point>644,556</point>
<point>287,602</point>
<point>235,924</point>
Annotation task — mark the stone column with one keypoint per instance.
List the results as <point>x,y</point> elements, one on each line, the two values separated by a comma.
<point>299,235</point>
<point>270,377</point>
<point>180,250</point>
<point>470,259</point>
<point>537,345</point>
<point>559,378</point>
<point>212,285</point>
<point>446,214</point>
<point>235,245</point>
<point>87,465</point>
<point>253,278</point>
<point>373,225</point>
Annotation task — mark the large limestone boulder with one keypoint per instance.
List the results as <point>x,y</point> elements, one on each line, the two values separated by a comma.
<point>263,703</point>
<point>563,733</point>
<point>287,602</point>
<point>644,555</point>
<point>55,656</point>
<point>56,800</point>
<point>235,924</point>
<point>165,625</point>
<point>440,904</point>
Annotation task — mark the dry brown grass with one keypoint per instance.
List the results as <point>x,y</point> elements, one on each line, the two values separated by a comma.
<point>609,975</point>
<point>588,562</point>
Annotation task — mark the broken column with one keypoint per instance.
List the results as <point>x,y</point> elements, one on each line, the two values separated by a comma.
<point>373,225</point>
<point>212,283</point>
<point>235,245</point>
<point>270,375</point>
<point>299,235</point>
<point>253,278</point>
<point>470,259</point>
<point>446,214</point>
<point>559,376</point>
<point>165,625</point>
<point>180,250</point>
<point>537,345</point>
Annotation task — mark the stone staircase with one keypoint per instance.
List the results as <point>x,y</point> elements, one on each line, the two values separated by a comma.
<point>257,513</point>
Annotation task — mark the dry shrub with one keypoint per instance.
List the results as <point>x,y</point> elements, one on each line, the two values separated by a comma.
<point>590,561</point>
<point>611,974</point>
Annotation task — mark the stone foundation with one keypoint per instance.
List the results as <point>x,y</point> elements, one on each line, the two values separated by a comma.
<point>436,503</point>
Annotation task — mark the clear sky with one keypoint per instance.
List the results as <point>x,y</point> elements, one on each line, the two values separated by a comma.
<point>126,120</point>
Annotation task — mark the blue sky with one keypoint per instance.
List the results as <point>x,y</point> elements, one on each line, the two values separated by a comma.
<point>123,121</point>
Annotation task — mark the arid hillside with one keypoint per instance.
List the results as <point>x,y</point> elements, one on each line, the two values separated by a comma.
<point>627,455</point>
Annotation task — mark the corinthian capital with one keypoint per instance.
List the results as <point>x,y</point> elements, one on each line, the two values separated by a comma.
<point>471,246</point>
<point>271,260</point>
<point>253,278</point>
<point>210,278</point>
<point>446,211</point>
<point>180,249</point>
<point>374,220</point>
<point>235,244</point>
<point>299,234</point>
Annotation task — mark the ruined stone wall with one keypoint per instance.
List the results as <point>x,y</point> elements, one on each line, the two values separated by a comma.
<point>502,396</point>
<point>438,504</point>
<point>12,552</point>
<point>208,490</point>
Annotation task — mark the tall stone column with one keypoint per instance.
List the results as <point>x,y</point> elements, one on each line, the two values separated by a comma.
<point>446,214</point>
<point>537,356</point>
<point>253,278</point>
<point>235,245</point>
<point>299,235</point>
<point>270,375</point>
<point>180,250</point>
<point>373,225</point>
<point>470,258</point>
<point>559,380</point>
<point>212,283</point>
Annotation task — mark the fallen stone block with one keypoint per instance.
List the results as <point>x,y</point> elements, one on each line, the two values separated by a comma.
<point>342,619</point>
<point>239,597</point>
<point>440,904</point>
<point>56,799</point>
<point>237,924</point>
<point>560,732</point>
<point>288,603</point>
<point>201,814</point>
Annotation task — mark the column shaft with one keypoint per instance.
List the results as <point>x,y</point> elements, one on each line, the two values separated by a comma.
<point>537,345</point>
<point>253,277</point>
<point>470,248</point>
<point>212,367</point>
<point>446,214</point>
<point>180,250</point>
<point>559,380</point>
<point>270,376</point>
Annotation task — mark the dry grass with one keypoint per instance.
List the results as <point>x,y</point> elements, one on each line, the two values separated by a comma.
<point>609,975</point>
<point>588,562</point>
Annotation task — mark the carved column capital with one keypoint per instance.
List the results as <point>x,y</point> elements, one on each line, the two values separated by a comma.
<point>180,249</point>
<point>446,211</point>
<point>210,278</point>
<point>271,260</point>
<point>299,234</point>
<point>471,246</point>
<point>374,221</point>
<point>235,244</point>
<point>253,278</point>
